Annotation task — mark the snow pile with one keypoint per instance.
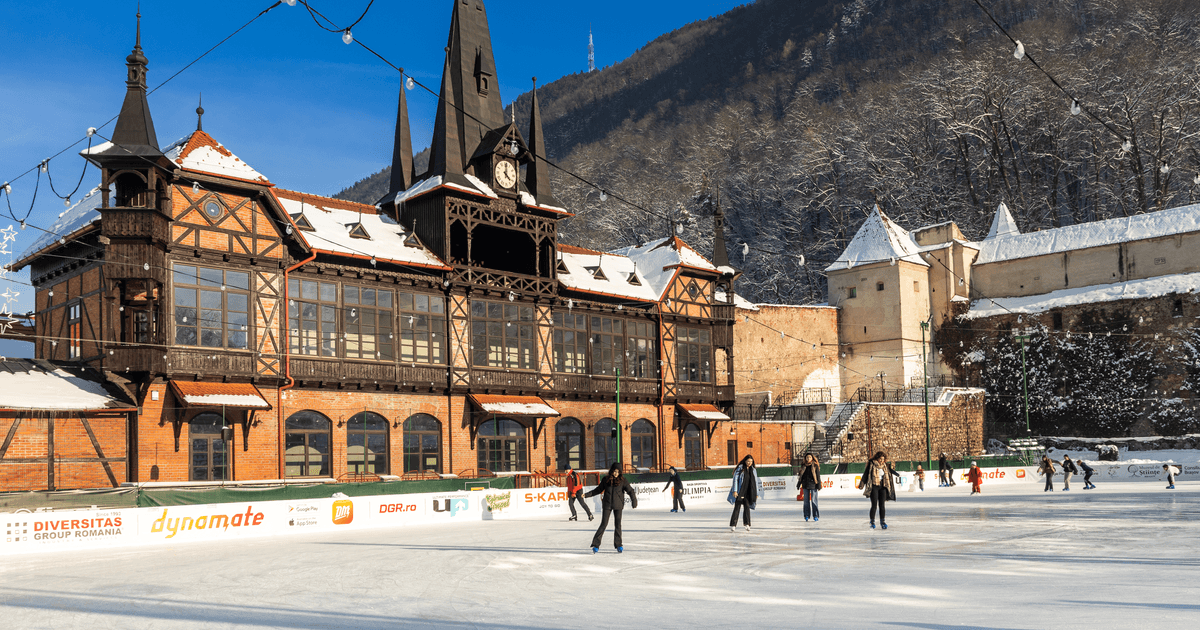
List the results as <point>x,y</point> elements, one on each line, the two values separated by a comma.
<point>738,301</point>
<point>1132,289</point>
<point>28,384</point>
<point>878,240</point>
<point>519,409</point>
<point>1003,245</point>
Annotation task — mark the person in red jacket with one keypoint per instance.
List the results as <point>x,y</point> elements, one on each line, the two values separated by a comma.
<point>975,476</point>
<point>575,492</point>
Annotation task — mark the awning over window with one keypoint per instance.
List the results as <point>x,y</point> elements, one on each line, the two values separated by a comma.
<point>514,406</point>
<point>704,413</point>
<point>240,395</point>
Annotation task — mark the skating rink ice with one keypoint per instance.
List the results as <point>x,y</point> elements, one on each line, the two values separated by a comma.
<point>1122,556</point>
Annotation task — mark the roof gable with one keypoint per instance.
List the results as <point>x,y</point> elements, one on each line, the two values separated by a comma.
<point>878,240</point>
<point>200,152</point>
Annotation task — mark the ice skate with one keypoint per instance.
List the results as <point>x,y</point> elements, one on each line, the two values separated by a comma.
<point>732,528</point>
<point>674,511</point>
<point>815,519</point>
<point>573,518</point>
<point>591,518</point>
<point>883,525</point>
<point>620,550</point>
<point>595,550</point>
<point>747,528</point>
<point>872,524</point>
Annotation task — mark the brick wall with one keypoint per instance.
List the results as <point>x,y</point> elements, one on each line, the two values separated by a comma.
<point>32,441</point>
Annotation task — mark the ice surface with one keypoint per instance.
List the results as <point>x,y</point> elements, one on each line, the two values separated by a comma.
<point>1121,556</point>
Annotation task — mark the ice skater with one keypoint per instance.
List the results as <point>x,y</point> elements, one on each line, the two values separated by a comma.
<point>613,488</point>
<point>1068,469</point>
<point>1047,468</point>
<point>1088,471</point>
<point>877,484</point>
<point>920,475</point>
<point>575,492</point>
<point>677,493</point>
<point>810,485</point>
<point>946,471</point>
<point>975,476</point>
<point>1171,472</point>
<point>743,494</point>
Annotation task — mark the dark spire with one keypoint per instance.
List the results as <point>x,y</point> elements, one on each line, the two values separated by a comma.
<point>445,154</point>
<point>471,74</point>
<point>200,114</point>
<point>537,174</point>
<point>720,256</point>
<point>402,152</point>
<point>134,133</point>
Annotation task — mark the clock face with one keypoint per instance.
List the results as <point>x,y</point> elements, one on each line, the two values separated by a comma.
<point>506,174</point>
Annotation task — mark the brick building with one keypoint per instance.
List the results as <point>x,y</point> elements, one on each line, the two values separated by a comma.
<point>266,333</point>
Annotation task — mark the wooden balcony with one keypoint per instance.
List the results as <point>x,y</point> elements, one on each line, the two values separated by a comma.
<point>504,380</point>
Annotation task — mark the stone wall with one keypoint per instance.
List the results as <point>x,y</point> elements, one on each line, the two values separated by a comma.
<point>899,430</point>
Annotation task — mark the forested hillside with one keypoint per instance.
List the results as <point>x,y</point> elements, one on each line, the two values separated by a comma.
<point>806,113</point>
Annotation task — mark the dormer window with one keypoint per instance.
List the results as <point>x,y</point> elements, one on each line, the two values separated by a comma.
<point>562,267</point>
<point>597,273</point>
<point>302,222</point>
<point>633,279</point>
<point>358,231</point>
<point>483,79</point>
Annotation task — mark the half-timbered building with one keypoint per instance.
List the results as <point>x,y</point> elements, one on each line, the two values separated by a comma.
<point>267,333</point>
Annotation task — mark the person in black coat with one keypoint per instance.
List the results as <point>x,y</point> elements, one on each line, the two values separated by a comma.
<point>613,487</point>
<point>810,484</point>
<point>1088,471</point>
<point>677,495</point>
<point>945,471</point>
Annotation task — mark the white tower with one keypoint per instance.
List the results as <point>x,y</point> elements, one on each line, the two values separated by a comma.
<point>591,52</point>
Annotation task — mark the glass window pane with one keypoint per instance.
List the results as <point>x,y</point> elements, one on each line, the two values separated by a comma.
<point>328,292</point>
<point>238,280</point>
<point>185,274</point>
<point>211,277</point>
<point>350,294</point>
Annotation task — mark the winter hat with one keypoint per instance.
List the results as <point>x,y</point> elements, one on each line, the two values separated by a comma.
<point>974,463</point>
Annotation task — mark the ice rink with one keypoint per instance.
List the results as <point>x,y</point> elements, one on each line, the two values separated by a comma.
<point>1122,556</point>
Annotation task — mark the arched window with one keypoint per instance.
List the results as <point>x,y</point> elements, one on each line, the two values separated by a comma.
<point>210,455</point>
<point>131,191</point>
<point>642,444</point>
<point>605,439</point>
<point>568,443</point>
<point>422,444</point>
<point>502,446</point>
<point>306,440</point>
<point>367,443</point>
<point>693,447</point>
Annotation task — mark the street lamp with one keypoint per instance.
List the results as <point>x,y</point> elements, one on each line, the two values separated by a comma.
<point>1025,374</point>
<point>925,376</point>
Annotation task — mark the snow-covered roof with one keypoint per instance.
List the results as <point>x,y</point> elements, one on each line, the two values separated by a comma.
<point>703,412</point>
<point>1003,223</point>
<point>70,223</point>
<point>614,271</point>
<point>201,394</point>
<point>35,384</point>
<point>658,262</point>
<point>531,406</point>
<point>738,301</point>
<point>1129,290</point>
<point>477,187</point>
<point>333,219</point>
<point>1000,247</point>
<point>878,240</point>
<point>200,152</point>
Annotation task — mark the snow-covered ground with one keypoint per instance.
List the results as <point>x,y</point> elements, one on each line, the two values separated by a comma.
<point>1180,456</point>
<point>1124,555</point>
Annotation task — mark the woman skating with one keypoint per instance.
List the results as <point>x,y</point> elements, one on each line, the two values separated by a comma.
<point>614,486</point>
<point>1047,468</point>
<point>743,494</point>
<point>945,471</point>
<point>877,485</point>
<point>1088,471</point>
<point>677,493</point>
<point>575,492</point>
<point>810,484</point>
<point>1068,469</point>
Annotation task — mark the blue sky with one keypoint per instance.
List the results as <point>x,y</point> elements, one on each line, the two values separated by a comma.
<point>291,100</point>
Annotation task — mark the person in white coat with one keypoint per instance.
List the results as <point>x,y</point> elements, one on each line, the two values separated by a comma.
<point>1171,472</point>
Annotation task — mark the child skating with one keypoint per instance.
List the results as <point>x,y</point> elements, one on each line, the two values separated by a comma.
<point>1171,472</point>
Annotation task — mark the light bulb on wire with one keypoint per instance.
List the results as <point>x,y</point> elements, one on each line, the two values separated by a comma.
<point>1075,108</point>
<point>1019,53</point>
<point>410,84</point>
<point>347,38</point>
<point>195,188</point>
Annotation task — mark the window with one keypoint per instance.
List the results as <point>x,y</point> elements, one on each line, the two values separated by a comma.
<point>213,209</point>
<point>502,335</point>
<point>607,342</point>
<point>502,446</point>
<point>212,307</point>
<point>306,440</point>
<point>879,286</point>
<point>74,329</point>
<point>568,443</point>
<point>422,328</point>
<point>642,444</point>
<point>851,292</point>
<point>209,455</point>
<point>367,443</point>
<point>693,448</point>
<point>422,444</point>
<point>605,441</point>
<point>693,355</point>
<point>570,343</point>
<point>312,317</point>
<point>367,317</point>
<point>641,358</point>
<point>1058,321</point>
<point>1177,310</point>
<point>916,286</point>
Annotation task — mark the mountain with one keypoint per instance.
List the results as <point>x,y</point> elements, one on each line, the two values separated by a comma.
<point>801,115</point>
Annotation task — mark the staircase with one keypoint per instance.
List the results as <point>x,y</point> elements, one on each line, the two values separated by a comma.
<point>843,416</point>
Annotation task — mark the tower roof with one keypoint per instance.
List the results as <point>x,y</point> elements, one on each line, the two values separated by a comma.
<point>1003,224</point>
<point>134,134</point>
<point>878,240</point>
<point>402,152</point>
<point>537,175</point>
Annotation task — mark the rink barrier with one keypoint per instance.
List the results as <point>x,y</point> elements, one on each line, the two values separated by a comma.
<point>167,525</point>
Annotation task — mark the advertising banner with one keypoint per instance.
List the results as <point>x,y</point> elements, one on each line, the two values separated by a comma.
<point>47,531</point>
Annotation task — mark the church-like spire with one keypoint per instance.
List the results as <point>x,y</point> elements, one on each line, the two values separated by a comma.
<point>402,152</point>
<point>720,256</point>
<point>445,154</point>
<point>200,114</point>
<point>134,133</point>
<point>537,174</point>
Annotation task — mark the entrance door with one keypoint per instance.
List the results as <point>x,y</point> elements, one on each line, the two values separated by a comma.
<point>693,448</point>
<point>209,456</point>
